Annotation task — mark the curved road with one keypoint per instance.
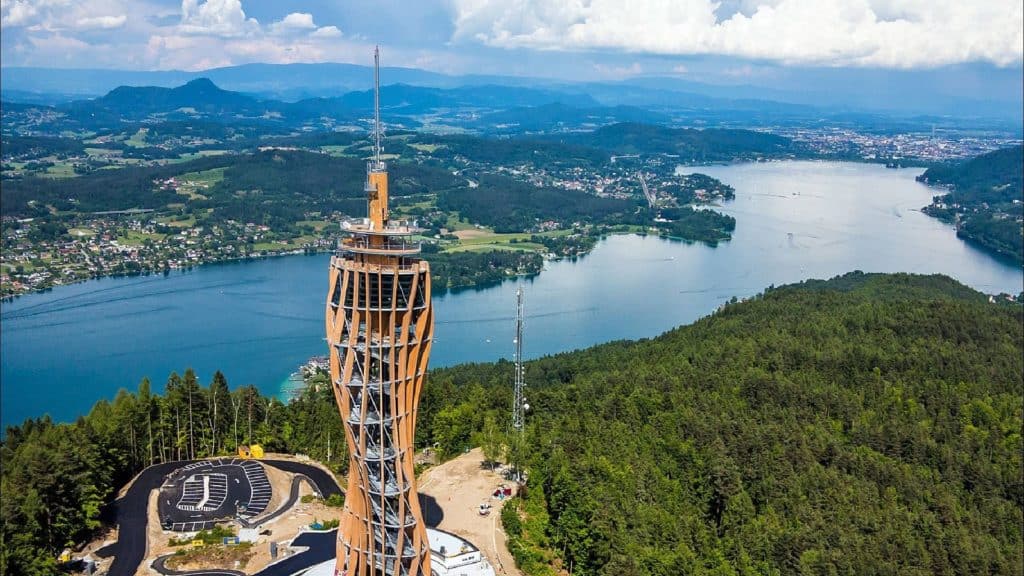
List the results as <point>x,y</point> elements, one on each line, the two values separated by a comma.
<point>132,508</point>
<point>321,547</point>
<point>324,481</point>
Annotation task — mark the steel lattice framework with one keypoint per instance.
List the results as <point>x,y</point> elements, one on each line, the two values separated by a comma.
<point>379,327</point>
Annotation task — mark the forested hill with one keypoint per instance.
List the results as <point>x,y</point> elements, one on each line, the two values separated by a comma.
<point>984,199</point>
<point>261,186</point>
<point>997,176</point>
<point>689,144</point>
<point>870,424</point>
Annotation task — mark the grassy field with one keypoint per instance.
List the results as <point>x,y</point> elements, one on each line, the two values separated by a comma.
<point>334,149</point>
<point>207,177</point>
<point>60,170</point>
<point>317,225</point>
<point>454,224</point>
<point>168,220</point>
<point>136,238</point>
<point>193,182</point>
<point>428,148</point>
<point>484,240</point>
<point>403,205</point>
<point>103,152</point>
<point>200,154</point>
<point>490,246</point>
<point>138,140</point>
<point>26,267</point>
<point>83,135</point>
<point>275,246</point>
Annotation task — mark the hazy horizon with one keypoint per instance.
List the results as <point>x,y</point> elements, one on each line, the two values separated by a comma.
<point>733,42</point>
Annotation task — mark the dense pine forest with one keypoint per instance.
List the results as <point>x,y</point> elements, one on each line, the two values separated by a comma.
<point>58,478</point>
<point>870,424</point>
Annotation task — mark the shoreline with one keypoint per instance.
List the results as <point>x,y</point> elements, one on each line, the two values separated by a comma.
<point>968,238</point>
<point>244,259</point>
<point>10,298</point>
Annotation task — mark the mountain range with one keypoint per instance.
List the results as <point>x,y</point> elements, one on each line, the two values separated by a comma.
<point>481,108</point>
<point>964,91</point>
<point>201,98</point>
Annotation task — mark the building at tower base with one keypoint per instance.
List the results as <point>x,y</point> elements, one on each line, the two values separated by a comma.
<point>449,556</point>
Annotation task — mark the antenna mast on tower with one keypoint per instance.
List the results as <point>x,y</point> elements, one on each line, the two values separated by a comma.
<point>376,107</point>
<point>518,402</point>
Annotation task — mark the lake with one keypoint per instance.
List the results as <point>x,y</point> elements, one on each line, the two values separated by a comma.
<point>258,321</point>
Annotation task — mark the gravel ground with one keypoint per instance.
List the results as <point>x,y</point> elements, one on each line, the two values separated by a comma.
<point>459,486</point>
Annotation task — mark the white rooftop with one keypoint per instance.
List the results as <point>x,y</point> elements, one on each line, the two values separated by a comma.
<point>452,544</point>
<point>460,558</point>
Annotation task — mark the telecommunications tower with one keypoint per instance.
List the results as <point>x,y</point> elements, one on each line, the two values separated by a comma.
<point>519,405</point>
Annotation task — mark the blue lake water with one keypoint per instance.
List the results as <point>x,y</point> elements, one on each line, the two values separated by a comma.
<point>257,321</point>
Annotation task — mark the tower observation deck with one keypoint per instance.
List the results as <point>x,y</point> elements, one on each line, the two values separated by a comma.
<point>379,326</point>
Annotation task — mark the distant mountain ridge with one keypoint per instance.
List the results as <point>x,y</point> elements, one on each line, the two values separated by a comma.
<point>406,98</point>
<point>961,91</point>
<point>202,98</point>
<point>200,94</point>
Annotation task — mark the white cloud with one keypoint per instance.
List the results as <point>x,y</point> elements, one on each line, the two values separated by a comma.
<point>326,32</point>
<point>215,33</point>
<point>53,16</point>
<point>104,22</point>
<point>186,52</point>
<point>223,18</point>
<point>16,13</point>
<point>887,33</point>
<point>294,22</point>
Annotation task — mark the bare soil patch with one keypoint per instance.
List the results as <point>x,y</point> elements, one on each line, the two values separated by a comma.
<point>459,486</point>
<point>472,233</point>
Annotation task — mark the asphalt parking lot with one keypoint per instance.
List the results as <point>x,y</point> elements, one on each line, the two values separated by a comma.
<point>130,510</point>
<point>198,495</point>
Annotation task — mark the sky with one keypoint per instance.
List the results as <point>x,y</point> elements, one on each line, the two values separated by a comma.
<point>724,41</point>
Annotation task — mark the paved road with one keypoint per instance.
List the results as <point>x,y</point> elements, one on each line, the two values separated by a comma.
<point>131,510</point>
<point>293,496</point>
<point>321,547</point>
<point>325,483</point>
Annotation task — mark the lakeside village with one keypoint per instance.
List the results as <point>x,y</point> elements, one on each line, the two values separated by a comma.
<point>298,380</point>
<point>39,256</point>
<point>40,253</point>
